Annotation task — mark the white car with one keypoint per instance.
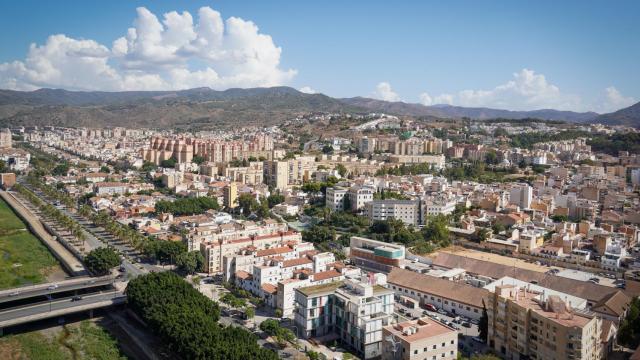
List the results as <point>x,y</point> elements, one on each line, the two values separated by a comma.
<point>52,287</point>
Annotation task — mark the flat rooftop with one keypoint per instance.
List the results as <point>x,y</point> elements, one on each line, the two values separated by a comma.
<point>320,289</point>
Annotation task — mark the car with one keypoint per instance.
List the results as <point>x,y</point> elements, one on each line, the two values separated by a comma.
<point>76,298</point>
<point>430,307</point>
<point>52,287</point>
<point>466,324</point>
<point>15,293</point>
<point>442,312</point>
<point>435,317</point>
<point>402,310</point>
<point>622,286</point>
<point>426,313</point>
<point>477,339</point>
<point>474,322</point>
<point>594,279</point>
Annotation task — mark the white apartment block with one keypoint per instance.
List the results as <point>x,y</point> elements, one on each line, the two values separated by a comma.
<point>407,211</point>
<point>334,199</point>
<point>422,339</point>
<point>355,310</point>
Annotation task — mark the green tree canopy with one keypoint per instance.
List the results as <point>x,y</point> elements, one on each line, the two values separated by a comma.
<point>100,261</point>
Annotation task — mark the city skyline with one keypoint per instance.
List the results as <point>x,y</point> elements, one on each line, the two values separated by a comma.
<point>498,55</point>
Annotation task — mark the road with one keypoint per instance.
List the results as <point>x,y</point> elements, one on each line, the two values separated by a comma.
<point>97,237</point>
<point>60,286</point>
<point>57,307</point>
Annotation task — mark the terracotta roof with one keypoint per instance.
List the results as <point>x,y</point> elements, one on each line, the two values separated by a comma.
<point>273,251</point>
<point>243,275</point>
<point>269,288</point>
<point>461,293</point>
<point>324,275</point>
<point>296,262</point>
<point>615,303</point>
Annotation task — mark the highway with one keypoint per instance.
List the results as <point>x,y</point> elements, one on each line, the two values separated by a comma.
<point>52,288</point>
<point>59,307</point>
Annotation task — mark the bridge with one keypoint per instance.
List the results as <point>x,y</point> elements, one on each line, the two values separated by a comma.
<point>74,284</point>
<point>59,307</point>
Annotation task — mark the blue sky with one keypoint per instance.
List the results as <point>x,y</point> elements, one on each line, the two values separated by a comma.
<point>574,55</point>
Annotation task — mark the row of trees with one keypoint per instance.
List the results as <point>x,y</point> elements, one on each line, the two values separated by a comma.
<point>187,206</point>
<point>186,320</point>
<point>55,214</point>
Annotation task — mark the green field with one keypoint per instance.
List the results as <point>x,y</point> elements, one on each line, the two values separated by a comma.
<point>23,258</point>
<point>84,340</point>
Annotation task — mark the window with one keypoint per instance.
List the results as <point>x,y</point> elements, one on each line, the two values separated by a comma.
<point>415,352</point>
<point>434,347</point>
<point>443,344</point>
<point>451,342</point>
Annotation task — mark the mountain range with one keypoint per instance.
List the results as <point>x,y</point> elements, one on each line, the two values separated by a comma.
<point>206,108</point>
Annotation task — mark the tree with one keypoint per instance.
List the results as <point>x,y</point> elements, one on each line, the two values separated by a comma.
<point>247,203</point>
<point>436,229</point>
<point>483,234</point>
<point>327,149</point>
<point>60,169</point>
<point>197,159</point>
<point>190,262</point>
<point>250,313</point>
<point>342,170</point>
<point>483,325</point>
<point>148,166</point>
<point>169,163</point>
<point>560,218</point>
<point>105,169</point>
<point>100,261</point>
<point>275,199</point>
<point>187,206</point>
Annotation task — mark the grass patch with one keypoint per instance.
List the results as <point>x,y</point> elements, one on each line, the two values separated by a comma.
<point>86,340</point>
<point>23,258</point>
<point>94,342</point>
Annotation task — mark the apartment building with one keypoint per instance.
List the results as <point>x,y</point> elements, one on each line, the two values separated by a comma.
<point>276,174</point>
<point>407,211</point>
<point>334,198</point>
<point>222,229</point>
<point>359,196</point>
<point>422,339</point>
<point>525,324</point>
<point>355,310</point>
<point>375,255</point>
<point>521,195</point>
<point>215,251</point>
<point>438,205</point>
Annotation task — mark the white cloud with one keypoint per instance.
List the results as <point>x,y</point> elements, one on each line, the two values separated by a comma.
<point>175,53</point>
<point>526,91</point>
<point>307,90</point>
<point>425,99</point>
<point>385,92</point>
<point>614,100</point>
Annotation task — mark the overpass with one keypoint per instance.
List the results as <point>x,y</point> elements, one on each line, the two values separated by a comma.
<point>30,291</point>
<point>59,307</point>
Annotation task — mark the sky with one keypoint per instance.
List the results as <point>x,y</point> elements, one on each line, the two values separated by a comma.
<point>517,55</point>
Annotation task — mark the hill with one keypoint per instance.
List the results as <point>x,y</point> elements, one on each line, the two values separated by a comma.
<point>188,109</point>
<point>448,111</point>
<point>203,108</point>
<point>629,116</point>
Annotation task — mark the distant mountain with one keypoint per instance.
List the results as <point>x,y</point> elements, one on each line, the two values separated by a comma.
<point>448,111</point>
<point>206,108</point>
<point>187,109</point>
<point>629,116</point>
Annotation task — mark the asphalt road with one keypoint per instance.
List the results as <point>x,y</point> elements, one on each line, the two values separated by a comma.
<point>61,286</point>
<point>56,304</point>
